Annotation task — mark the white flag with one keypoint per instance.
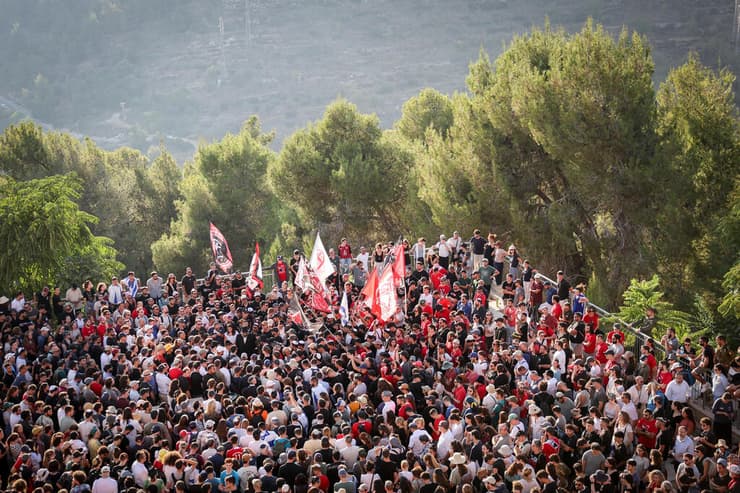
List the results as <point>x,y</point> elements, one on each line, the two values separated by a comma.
<point>302,279</point>
<point>344,309</point>
<point>320,262</point>
<point>387,295</point>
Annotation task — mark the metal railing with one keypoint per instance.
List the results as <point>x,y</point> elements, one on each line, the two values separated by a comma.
<point>637,339</point>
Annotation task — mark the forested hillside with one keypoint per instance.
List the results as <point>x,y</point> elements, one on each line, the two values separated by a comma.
<point>137,72</point>
<point>571,143</point>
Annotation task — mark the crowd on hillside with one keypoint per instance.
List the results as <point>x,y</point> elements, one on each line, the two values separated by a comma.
<point>487,379</point>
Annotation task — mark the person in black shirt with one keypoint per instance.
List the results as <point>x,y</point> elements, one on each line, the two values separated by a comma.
<point>290,469</point>
<point>563,286</point>
<point>477,247</point>
<point>387,469</point>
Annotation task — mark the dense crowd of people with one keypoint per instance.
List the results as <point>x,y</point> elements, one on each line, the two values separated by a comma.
<point>487,379</point>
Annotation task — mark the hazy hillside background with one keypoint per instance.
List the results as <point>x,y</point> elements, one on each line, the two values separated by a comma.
<point>140,71</point>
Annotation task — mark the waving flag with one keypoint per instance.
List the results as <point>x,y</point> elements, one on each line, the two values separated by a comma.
<point>387,295</point>
<point>302,279</point>
<point>399,265</point>
<point>221,252</point>
<point>320,262</point>
<point>344,309</point>
<point>255,270</point>
<point>370,292</point>
<point>295,312</point>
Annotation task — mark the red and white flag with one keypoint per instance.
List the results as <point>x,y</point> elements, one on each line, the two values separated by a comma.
<point>399,266</point>
<point>317,293</point>
<point>221,252</point>
<point>320,262</point>
<point>295,312</point>
<point>255,270</point>
<point>387,295</point>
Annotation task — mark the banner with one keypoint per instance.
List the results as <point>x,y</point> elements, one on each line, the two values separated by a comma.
<point>399,266</point>
<point>370,293</point>
<point>255,270</point>
<point>302,279</point>
<point>221,252</point>
<point>295,312</point>
<point>320,262</point>
<point>344,309</point>
<point>387,295</point>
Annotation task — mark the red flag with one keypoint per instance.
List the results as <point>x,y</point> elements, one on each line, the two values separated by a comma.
<point>318,302</point>
<point>221,251</point>
<point>255,270</point>
<point>387,295</point>
<point>317,293</point>
<point>370,292</point>
<point>399,266</point>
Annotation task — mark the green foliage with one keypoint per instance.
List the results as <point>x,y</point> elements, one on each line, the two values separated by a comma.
<point>730,306</point>
<point>23,153</point>
<point>700,138</point>
<point>225,185</point>
<point>430,109</point>
<point>46,234</point>
<point>643,294</point>
<point>132,198</point>
<point>343,170</point>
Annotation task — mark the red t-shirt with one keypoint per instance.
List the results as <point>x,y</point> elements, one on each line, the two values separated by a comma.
<point>345,251</point>
<point>459,394</point>
<point>649,426</point>
<point>591,319</point>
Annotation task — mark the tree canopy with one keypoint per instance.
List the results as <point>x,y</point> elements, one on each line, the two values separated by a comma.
<point>561,145</point>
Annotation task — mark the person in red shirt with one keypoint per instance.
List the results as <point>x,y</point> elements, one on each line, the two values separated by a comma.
<point>345,255</point>
<point>510,313</point>
<point>557,308</point>
<point>406,408</point>
<point>88,329</point>
<point>443,309</point>
<point>617,330</point>
<point>480,295</point>
<point>600,349</point>
<point>436,276</point>
<point>591,318</point>
<point>551,442</point>
<point>650,361</point>
<point>459,392</point>
<point>362,425</point>
<point>646,429</point>
<point>281,270</point>
<point>589,343</point>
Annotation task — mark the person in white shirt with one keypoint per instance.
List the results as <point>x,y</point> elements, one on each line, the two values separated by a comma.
<point>105,484</point>
<point>677,389</point>
<point>444,442</point>
<point>364,258</point>
<point>416,444</point>
<point>115,293</point>
<point>443,250</point>
<point>454,243</point>
<point>19,302</point>
<point>639,392</point>
<point>628,406</point>
<point>139,469</point>
<point>684,444</point>
<point>388,404</point>
<point>490,400</point>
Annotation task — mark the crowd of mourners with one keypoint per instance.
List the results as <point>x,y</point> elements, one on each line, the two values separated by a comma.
<point>487,379</point>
